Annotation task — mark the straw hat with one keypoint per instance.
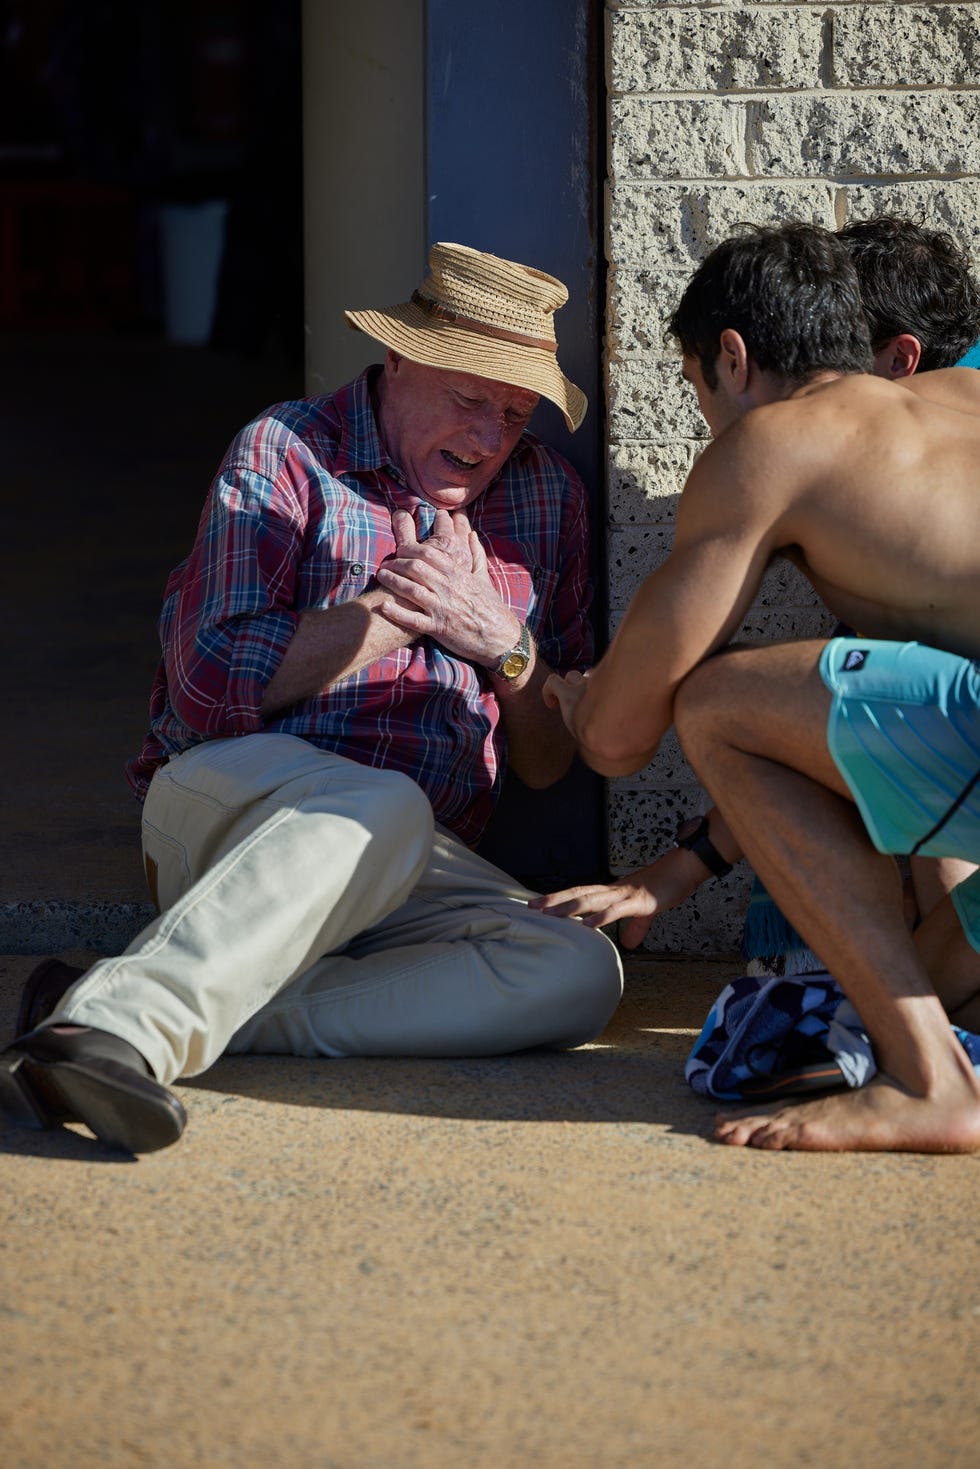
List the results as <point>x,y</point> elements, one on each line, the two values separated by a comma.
<point>476,313</point>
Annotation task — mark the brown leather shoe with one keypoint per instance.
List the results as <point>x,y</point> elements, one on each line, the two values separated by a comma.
<point>42,993</point>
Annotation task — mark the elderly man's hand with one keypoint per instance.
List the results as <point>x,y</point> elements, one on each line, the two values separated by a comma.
<point>444,590</point>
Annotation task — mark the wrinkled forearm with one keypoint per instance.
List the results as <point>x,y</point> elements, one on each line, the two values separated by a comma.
<point>539,748</point>
<point>328,645</point>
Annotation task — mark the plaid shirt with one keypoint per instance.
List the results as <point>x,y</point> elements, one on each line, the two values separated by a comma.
<point>299,516</point>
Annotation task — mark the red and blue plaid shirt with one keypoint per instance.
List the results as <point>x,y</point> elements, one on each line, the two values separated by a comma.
<point>299,516</point>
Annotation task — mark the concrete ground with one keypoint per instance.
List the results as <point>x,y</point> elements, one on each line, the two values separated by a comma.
<point>520,1263</point>
<point>516,1263</point>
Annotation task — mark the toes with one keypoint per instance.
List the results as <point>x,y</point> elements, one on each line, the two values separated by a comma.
<point>752,1129</point>
<point>772,1139</point>
<point>735,1129</point>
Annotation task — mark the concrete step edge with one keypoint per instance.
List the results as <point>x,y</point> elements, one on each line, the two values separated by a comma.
<point>47,927</point>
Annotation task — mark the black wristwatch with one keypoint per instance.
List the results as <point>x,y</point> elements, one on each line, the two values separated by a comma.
<point>700,843</point>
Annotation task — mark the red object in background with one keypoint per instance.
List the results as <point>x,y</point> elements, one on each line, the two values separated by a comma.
<point>218,60</point>
<point>67,256</point>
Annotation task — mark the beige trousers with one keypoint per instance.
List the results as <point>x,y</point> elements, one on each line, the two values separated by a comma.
<point>310,907</point>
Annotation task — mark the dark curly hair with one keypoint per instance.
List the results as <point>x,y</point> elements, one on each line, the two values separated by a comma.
<point>915,280</point>
<point>792,294</point>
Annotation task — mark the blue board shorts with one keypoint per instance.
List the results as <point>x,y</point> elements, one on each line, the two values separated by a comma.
<point>904,732</point>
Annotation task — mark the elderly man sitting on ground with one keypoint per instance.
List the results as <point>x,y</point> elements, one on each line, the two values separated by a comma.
<point>382,581</point>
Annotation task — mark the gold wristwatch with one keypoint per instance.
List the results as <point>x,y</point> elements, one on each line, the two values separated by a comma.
<point>513,663</point>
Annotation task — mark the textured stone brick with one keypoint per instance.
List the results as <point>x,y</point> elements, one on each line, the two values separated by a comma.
<point>656,5</point>
<point>641,827</point>
<point>639,548</point>
<point>632,555</point>
<point>710,923</point>
<point>648,400</point>
<point>643,823</point>
<point>645,480</point>
<point>785,624</point>
<point>641,303</point>
<point>636,550</point>
<point>917,45</point>
<point>783,585</point>
<point>662,227</point>
<point>667,768</point>
<point>614,5</point>
<point>681,50</point>
<point>679,138</point>
<point>797,135</point>
<point>873,133</point>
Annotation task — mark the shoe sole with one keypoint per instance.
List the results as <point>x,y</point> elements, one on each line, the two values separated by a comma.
<point>123,1109</point>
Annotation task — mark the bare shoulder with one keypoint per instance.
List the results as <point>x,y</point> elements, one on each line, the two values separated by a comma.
<point>789,470</point>
<point>764,460</point>
<point>949,387</point>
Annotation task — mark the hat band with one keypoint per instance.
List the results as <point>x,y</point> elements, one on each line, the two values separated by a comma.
<point>443,313</point>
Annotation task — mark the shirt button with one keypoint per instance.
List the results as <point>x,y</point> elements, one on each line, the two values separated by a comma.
<point>357,568</point>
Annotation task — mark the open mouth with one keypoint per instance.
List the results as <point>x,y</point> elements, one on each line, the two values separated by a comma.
<point>465,466</point>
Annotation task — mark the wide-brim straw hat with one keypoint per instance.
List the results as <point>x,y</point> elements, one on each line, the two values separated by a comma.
<point>477,313</point>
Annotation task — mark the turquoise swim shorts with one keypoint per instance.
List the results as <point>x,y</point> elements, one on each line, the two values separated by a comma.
<point>904,732</point>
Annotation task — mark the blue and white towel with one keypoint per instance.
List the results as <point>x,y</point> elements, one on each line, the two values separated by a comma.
<point>771,1037</point>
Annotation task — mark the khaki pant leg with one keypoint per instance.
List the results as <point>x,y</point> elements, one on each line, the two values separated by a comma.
<point>462,968</point>
<point>269,853</point>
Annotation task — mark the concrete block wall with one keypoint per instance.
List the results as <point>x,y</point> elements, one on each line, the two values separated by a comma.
<point>720,113</point>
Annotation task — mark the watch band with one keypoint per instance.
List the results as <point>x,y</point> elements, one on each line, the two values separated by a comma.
<point>700,843</point>
<point>513,663</point>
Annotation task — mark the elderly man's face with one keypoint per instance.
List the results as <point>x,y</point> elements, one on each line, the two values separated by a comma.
<point>450,433</point>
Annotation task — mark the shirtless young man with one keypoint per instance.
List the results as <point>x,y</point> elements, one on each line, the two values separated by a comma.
<point>922,305</point>
<point>871,489</point>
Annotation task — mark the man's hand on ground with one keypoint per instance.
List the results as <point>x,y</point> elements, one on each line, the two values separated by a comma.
<point>638,898</point>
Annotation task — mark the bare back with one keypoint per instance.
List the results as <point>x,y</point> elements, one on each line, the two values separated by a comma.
<point>873,489</point>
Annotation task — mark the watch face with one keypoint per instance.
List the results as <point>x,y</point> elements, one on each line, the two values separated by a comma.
<point>514,665</point>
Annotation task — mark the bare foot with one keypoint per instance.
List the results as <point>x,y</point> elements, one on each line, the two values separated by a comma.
<point>879,1117</point>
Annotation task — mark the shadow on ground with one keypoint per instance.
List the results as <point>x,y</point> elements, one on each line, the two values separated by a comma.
<point>632,1073</point>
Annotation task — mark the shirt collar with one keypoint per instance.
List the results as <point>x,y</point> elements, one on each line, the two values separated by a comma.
<point>360,449</point>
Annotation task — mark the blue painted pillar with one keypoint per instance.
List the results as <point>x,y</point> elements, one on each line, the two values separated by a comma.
<point>512,112</point>
<point>513,129</point>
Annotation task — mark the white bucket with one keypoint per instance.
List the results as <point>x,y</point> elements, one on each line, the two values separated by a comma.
<point>193,240</point>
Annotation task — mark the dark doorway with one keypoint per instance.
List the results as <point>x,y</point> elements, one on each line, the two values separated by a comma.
<point>151,302</point>
<point>151,171</point>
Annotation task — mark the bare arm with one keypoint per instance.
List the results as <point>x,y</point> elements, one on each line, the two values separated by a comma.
<point>684,611</point>
<point>637,899</point>
<point>330,643</point>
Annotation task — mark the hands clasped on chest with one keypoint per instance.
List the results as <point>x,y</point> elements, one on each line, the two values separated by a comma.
<point>441,588</point>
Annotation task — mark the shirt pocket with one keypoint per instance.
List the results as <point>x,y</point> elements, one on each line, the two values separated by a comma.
<point>348,579</point>
<point>328,580</point>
